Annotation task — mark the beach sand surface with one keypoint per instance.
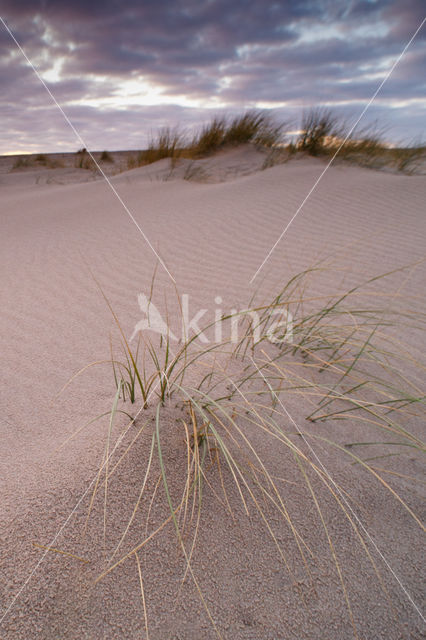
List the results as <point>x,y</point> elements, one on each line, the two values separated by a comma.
<point>213,223</point>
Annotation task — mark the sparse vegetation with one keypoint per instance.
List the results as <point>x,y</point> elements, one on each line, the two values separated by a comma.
<point>106,157</point>
<point>321,135</point>
<point>84,161</point>
<point>210,139</point>
<point>278,155</point>
<point>132,162</point>
<point>54,163</point>
<point>341,360</point>
<point>195,172</point>
<point>22,162</point>
<point>42,158</point>
<point>408,158</point>
<point>319,130</point>
<point>168,144</point>
<point>253,127</point>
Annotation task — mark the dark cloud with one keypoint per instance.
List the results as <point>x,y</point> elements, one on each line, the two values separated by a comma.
<point>405,17</point>
<point>238,54</point>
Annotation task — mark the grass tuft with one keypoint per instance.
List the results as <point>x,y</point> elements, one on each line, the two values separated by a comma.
<point>319,130</point>
<point>22,162</point>
<point>84,161</point>
<point>106,157</point>
<point>407,159</point>
<point>167,144</point>
<point>132,162</point>
<point>253,127</point>
<point>42,158</point>
<point>321,135</point>
<point>210,138</point>
<point>323,132</point>
<point>341,360</point>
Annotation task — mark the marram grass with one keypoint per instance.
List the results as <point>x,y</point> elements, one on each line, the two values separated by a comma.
<point>344,363</point>
<point>321,133</point>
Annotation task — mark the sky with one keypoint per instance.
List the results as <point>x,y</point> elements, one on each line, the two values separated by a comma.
<point>122,69</point>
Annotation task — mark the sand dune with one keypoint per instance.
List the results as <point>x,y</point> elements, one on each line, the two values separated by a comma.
<point>213,228</point>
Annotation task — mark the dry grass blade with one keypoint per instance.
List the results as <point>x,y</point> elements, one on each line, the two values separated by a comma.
<point>341,359</point>
<point>145,615</point>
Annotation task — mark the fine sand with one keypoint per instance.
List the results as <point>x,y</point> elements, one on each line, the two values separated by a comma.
<point>213,223</point>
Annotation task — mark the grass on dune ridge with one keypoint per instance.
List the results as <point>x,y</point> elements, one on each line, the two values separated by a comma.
<point>324,134</point>
<point>252,127</point>
<point>321,134</point>
<point>342,362</point>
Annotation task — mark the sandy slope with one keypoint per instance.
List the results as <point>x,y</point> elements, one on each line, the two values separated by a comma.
<point>213,235</point>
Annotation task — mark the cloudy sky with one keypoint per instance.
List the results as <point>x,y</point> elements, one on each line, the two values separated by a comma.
<point>122,68</point>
